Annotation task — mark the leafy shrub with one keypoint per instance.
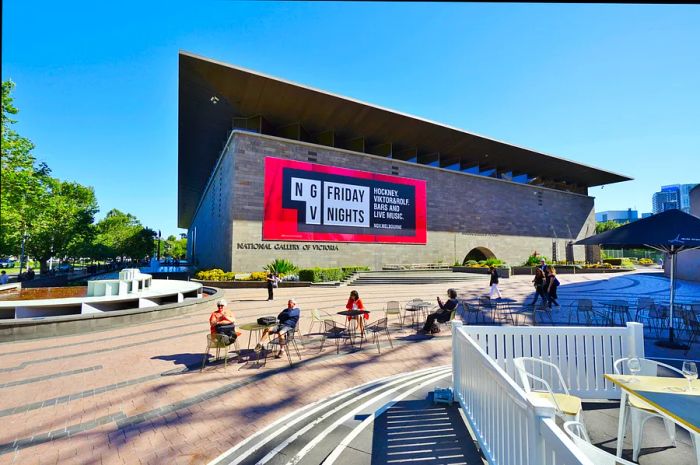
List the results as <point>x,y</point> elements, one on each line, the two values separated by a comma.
<point>215,274</point>
<point>348,270</point>
<point>626,263</point>
<point>317,275</point>
<point>257,276</point>
<point>613,261</point>
<point>534,260</point>
<point>471,263</point>
<point>281,266</point>
<point>646,261</point>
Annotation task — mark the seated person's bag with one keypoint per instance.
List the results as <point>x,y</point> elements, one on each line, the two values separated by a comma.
<point>267,320</point>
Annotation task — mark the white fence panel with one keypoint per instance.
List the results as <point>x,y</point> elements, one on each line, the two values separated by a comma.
<point>510,429</point>
<point>583,354</point>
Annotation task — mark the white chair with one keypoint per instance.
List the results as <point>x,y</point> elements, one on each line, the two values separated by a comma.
<point>640,411</point>
<point>316,317</point>
<point>578,434</point>
<point>567,407</point>
<point>393,307</point>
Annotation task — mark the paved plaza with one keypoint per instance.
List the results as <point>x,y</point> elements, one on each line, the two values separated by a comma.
<point>135,395</point>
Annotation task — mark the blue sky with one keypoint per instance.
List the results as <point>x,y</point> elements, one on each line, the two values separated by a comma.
<point>612,86</point>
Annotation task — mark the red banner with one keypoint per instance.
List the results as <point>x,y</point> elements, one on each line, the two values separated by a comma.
<point>311,202</point>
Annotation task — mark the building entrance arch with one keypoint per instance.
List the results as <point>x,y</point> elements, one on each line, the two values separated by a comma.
<point>478,254</point>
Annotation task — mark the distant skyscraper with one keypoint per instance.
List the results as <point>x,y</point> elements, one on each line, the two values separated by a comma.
<point>672,197</point>
<point>618,216</point>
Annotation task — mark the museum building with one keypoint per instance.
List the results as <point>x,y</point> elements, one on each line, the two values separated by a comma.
<point>272,169</point>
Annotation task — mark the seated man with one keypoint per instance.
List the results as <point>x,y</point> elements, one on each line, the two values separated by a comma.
<point>287,321</point>
<point>222,321</point>
<point>444,313</point>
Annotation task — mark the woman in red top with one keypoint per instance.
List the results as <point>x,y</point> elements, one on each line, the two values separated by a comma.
<point>355,303</point>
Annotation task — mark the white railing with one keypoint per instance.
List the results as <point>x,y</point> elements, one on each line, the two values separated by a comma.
<point>510,429</point>
<point>583,354</point>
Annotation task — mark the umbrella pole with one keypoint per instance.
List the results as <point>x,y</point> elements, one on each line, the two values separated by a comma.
<point>671,343</point>
<point>671,302</point>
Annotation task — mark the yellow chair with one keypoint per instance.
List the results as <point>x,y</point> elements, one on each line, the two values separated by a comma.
<point>567,407</point>
<point>214,341</point>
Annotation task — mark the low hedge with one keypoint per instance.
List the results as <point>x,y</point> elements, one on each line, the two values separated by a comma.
<point>319,275</point>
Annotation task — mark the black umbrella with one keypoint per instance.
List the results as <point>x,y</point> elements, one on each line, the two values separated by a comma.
<point>672,231</point>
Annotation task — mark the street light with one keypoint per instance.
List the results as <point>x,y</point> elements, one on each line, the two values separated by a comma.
<point>21,258</point>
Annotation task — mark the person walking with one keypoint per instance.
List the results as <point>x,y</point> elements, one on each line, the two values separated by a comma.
<point>552,285</point>
<point>493,272</point>
<point>539,287</point>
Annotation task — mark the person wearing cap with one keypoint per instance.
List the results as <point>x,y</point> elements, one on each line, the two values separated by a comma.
<point>444,312</point>
<point>222,321</point>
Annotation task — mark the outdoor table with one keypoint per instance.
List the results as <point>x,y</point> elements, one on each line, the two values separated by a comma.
<point>617,307</point>
<point>353,314</point>
<point>416,307</point>
<point>669,396</point>
<point>254,327</point>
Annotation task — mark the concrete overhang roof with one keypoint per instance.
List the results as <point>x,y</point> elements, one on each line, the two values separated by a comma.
<point>203,127</point>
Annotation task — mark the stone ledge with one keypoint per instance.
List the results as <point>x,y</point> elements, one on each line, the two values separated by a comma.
<point>23,329</point>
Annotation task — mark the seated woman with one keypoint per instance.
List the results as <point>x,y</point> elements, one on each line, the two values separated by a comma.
<point>287,321</point>
<point>444,312</point>
<point>355,303</point>
<point>222,321</point>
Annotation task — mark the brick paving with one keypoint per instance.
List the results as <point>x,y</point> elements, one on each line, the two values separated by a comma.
<point>134,395</point>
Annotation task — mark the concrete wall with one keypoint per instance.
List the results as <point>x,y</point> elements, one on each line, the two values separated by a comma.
<point>688,267</point>
<point>464,211</point>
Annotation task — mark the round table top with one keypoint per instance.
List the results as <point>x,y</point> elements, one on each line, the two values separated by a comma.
<point>411,306</point>
<point>353,312</point>
<point>255,326</point>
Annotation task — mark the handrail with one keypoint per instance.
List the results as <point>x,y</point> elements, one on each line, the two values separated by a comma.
<point>510,427</point>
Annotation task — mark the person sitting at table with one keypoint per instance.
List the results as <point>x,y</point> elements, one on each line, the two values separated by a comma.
<point>222,321</point>
<point>355,303</point>
<point>287,321</point>
<point>444,312</point>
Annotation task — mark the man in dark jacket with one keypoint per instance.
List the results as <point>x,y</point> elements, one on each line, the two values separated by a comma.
<point>287,321</point>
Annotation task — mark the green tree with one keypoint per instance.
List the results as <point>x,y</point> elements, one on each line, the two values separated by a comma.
<point>25,182</point>
<point>63,224</point>
<point>121,235</point>
<point>173,247</point>
<point>603,226</point>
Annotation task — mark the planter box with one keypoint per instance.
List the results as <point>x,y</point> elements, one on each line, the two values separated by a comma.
<point>502,272</point>
<point>250,284</point>
<point>566,269</point>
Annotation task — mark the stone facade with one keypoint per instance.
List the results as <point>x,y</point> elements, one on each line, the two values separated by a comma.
<point>464,211</point>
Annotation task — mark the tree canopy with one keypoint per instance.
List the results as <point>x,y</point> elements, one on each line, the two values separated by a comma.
<point>603,226</point>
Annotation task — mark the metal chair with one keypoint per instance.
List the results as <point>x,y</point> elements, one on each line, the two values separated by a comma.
<point>475,311</point>
<point>620,308</point>
<point>215,341</point>
<point>393,307</point>
<point>487,306</point>
<point>567,407</point>
<point>277,344</point>
<point>316,317</point>
<point>334,331</point>
<point>640,411</point>
<point>578,434</point>
<point>582,307</point>
<point>376,329</point>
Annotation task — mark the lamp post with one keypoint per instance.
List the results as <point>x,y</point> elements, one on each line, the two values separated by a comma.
<point>21,257</point>
<point>158,246</point>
